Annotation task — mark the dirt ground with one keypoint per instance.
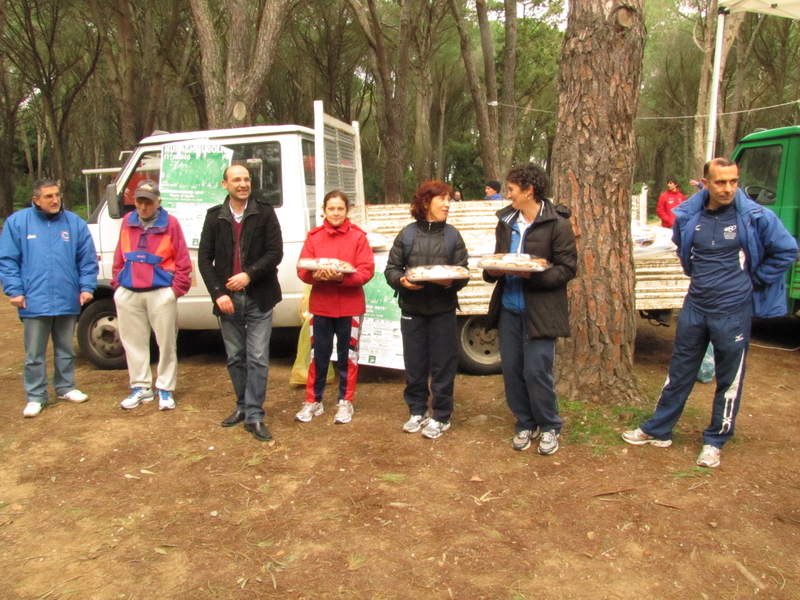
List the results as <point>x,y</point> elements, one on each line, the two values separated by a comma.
<point>101,503</point>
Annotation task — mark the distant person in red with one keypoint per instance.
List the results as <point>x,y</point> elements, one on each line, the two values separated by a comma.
<point>667,201</point>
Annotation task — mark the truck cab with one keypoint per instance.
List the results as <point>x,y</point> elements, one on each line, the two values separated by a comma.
<point>769,173</point>
<point>291,166</point>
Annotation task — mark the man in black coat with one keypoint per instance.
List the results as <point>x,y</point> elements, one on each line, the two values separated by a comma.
<point>240,249</point>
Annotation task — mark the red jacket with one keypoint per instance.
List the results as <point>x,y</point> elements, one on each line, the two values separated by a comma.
<point>666,202</point>
<point>348,243</point>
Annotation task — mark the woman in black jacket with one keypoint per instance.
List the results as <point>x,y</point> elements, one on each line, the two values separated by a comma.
<point>428,324</point>
<point>530,309</point>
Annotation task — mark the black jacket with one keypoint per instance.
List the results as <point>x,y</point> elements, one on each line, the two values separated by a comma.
<point>261,250</point>
<point>430,248</point>
<point>545,293</point>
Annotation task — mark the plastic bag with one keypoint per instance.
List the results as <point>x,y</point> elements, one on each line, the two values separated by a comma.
<point>706,372</point>
<point>302,361</point>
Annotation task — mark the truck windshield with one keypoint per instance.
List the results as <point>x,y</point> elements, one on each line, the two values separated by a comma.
<point>759,171</point>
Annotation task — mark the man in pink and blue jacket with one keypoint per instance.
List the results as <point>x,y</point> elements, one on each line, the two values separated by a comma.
<point>151,270</point>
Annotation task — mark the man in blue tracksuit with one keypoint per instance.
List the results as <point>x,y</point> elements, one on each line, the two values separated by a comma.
<point>48,268</point>
<point>736,253</point>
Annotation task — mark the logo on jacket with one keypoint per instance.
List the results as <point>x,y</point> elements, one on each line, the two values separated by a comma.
<point>31,236</point>
<point>65,236</point>
<point>729,233</point>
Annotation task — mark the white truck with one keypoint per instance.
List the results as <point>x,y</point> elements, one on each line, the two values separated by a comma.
<point>292,168</point>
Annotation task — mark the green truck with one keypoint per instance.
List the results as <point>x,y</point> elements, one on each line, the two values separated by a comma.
<point>769,173</point>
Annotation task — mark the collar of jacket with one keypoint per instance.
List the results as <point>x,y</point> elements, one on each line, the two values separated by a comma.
<point>161,220</point>
<point>508,214</point>
<point>40,213</point>
<point>250,209</point>
<point>698,201</point>
<point>429,226</point>
<point>341,230</point>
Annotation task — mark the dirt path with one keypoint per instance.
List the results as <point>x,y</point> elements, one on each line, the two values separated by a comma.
<point>100,503</point>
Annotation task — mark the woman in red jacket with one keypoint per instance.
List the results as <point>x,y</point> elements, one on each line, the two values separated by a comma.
<point>337,305</point>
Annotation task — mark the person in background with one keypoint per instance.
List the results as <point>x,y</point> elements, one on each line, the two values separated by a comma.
<point>240,249</point>
<point>530,309</point>
<point>492,190</point>
<point>151,270</point>
<point>668,201</point>
<point>48,268</point>
<point>736,253</point>
<point>428,322</point>
<point>337,305</point>
<point>457,196</point>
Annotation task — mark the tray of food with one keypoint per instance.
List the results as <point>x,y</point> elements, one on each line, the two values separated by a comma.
<point>436,273</point>
<point>320,264</point>
<point>513,262</point>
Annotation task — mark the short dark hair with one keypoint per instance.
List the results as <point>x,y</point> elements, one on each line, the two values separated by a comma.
<point>423,196</point>
<point>529,175</point>
<point>717,162</point>
<point>672,180</point>
<point>336,194</point>
<point>43,183</point>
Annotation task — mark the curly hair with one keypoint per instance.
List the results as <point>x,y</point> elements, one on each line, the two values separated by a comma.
<point>530,175</point>
<point>423,196</point>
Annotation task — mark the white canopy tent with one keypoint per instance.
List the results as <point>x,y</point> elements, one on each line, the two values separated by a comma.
<point>780,8</point>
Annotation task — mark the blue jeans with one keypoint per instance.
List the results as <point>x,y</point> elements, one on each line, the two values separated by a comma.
<point>528,375</point>
<point>730,336</point>
<point>37,332</point>
<point>246,335</point>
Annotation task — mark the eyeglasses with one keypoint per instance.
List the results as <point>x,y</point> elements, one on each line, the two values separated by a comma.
<point>59,195</point>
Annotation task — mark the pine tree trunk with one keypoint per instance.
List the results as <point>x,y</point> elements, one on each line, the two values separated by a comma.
<point>594,156</point>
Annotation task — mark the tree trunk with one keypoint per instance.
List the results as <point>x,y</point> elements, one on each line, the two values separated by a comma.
<point>729,126</point>
<point>390,64</point>
<point>701,122</point>
<point>489,141</point>
<point>598,88</point>
<point>236,58</point>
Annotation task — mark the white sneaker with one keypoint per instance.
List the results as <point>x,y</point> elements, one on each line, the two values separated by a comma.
<point>548,442</point>
<point>344,412</point>
<point>165,400</point>
<point>32,409</point>
<point>415,423</point>
<point>138,395</point>
<point>309,411</point>
<point>637,437</point>
<point>709,457</point>
<point>74,396</point>
<point>523,439</point>
<point>435,429</point>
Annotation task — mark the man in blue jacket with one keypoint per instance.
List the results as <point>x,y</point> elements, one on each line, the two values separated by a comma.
<point>48,268</point>
<point>736,253</point>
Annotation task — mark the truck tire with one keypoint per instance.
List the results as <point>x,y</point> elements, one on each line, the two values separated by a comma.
<point>98,335</point>
<point>478,349</point>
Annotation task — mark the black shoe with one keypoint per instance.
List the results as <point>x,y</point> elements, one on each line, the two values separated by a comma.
<point>259,431</point>
<point>236,417</point>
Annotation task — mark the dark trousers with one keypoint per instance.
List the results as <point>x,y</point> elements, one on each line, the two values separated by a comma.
<point>430,348</point>
<point>528,375</point>
<point>347,331</point>
<point>730,336</point>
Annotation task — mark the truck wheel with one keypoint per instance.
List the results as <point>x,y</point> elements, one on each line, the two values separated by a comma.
<point>478,349</point>
<point>98,335</point>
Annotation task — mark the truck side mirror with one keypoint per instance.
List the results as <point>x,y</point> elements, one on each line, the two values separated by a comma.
<point>112,201</point>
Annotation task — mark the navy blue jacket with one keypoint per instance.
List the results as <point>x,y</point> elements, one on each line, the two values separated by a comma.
<point>768,246</point>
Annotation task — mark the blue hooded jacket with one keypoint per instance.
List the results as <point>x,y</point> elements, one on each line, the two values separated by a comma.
<point>768,246</point>
<point>49,261</point>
